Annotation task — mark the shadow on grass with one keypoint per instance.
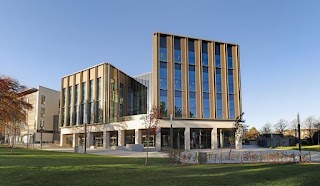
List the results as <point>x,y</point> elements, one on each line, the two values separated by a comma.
<point>56,168</point>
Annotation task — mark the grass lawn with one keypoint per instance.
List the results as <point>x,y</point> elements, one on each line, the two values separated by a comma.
<point>305,148</point>
<point>35,167</point>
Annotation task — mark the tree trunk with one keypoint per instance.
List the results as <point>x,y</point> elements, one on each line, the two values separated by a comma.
<point>148,136</point>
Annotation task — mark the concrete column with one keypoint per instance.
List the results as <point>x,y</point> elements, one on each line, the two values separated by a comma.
<point>221,139</point>
<point>187,138</point>
<point>121,136</point>
<point>74,138</point>
<point>214,138</point>
<point>63,140</point>
<point>158,141</point>
<point>137,136</point>
<point>106,137</point>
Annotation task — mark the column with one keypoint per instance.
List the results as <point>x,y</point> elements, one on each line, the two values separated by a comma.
<point>106,137</point>
<point>62,140</point>
<point>214,138</point>
<point>137,136</point>
<point>158,141</point>
<point>187,138</point>
<point>74,138</point>
<point>221,138</point>
<point>121,136</point>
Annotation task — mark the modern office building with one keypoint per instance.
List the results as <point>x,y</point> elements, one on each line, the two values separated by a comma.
<point>45,103</point>
<point>195,81</point>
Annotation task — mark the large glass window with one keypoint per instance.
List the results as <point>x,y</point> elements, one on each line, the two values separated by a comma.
<point>163,102</point>
<point>63,102</point>
<point>217,55</point>
<point>219,106</point>
<point>206,105</point>
<point>230,65</point>
<point>99,114</point>
<point>177,76</point>
<point>163,48</point>
<point>178,104</point>
<point>205,60</point>
<point>200,138</point>
<point>83,104</point>
<point>218,81</point>
<point>91,112</point>
<point>230,82</point>
<point>163,75</point>
<point>231,106</point>
<point>192,105</point>
<point>76,105</point>
<point>205,79</point>
<point>177,50</point>
<point>191,52</point>
<point>192,78</point>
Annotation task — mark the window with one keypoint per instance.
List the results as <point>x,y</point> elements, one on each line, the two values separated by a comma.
<point>163,75</point>
<point>83,116</point>
<point>205,53</point>
<point>219,106</point>
<point>191,53</point>
<point>178,104</point>
<point>43,99</point>
<point>205,79</point>
<point>206,106</point>
<point>192,104</point>
<point>177,50</point>
<point>192,78</point>
<point>230,65</point>
<point>42,112</point>
<point>163,102</point>
<point>70,95</point>
<point>98,114</point>
<point>177,76</point>
<point>231,106</point>
<point>163,48</point>
<point>217,55</point>
<point>218,81</point>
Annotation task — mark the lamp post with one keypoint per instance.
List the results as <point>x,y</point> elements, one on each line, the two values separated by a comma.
<point>28,137</point>
<point>299,137</point>
<point>171,132</point>
<point>41,128</point>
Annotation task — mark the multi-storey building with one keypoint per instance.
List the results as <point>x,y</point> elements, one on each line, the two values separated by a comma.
<point>45,103</point>
<point>195,82</point>
<point>102,97</point>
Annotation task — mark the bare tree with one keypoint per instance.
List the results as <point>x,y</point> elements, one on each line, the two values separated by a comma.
<point>266,129</point>
<point>281,126</point>
<point>294,127</point>
<point>309,123</point>
<point>151,124</point>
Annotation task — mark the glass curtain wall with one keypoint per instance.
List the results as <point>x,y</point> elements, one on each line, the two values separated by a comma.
<point>205,81</point>
<point>177,78</point>
<point>163,76</point>
<point>192,79</point>
<point>218,82</point>
<point>230,84</point>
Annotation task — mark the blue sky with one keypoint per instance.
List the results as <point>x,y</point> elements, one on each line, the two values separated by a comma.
<point>41,41</point>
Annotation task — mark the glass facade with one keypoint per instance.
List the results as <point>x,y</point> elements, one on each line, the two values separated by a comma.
<point>218,82</point>
<point>230,84</point>
<point>163,76</point>
<point>90,105</point>
<point>200,138</point>
<point>177,50</point>
<point>177,79</point>
<point>83,104</point>
<point>76,105</point>
<point>178,104</point>
<point>99,112</point>
<point>63,102</point>
<point>191,52</point>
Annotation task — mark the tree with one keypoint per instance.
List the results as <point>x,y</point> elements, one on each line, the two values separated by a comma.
<point>294,127</point>
<point>13,107</point>
<point>309,123</point>
<point>151,124</point>
<point>281,126</point>
<point>251,134</point>
<point>266,129</point>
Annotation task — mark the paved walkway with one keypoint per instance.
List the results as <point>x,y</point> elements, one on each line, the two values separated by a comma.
<point>315,156</point>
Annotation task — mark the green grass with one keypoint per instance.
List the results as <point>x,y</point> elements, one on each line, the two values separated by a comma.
<point>305,148</point>
<point>35,167</point>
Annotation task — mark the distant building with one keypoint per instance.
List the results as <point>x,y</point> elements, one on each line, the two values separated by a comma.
<point>45,103</point>
<point>196,81</point>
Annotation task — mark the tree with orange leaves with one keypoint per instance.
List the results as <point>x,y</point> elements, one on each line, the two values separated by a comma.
<point>151,123</point>
<point>13,108</point>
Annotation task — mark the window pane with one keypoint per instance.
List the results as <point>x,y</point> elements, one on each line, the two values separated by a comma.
<point>177,56</point>
<point>163,84</point>
<point>163,42</point>
<point>230,65</point>
<point>217,59</point>
<point>205,59</point>
<point>217,49</point>
<point>163,54</point>
<point>206,113</point>
<point>177,84</point>
<point>191,58</point>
